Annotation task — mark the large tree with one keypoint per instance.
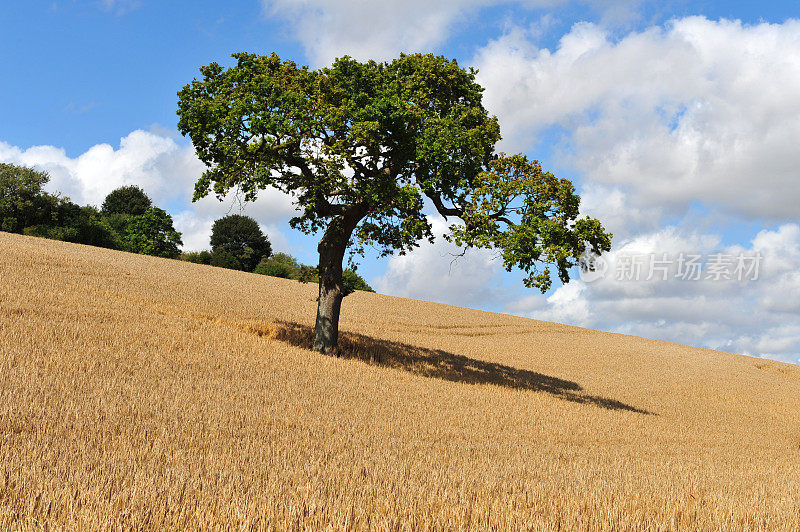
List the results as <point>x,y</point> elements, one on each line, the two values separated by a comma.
<point>361,146</point>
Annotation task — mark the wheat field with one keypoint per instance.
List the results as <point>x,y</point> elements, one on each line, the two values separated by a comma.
<point>145,393</point>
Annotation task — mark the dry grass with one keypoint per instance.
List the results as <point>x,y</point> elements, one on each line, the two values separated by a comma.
<point>138,392</point>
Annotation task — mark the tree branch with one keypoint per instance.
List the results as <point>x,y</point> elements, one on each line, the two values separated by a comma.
<point>444,211</point>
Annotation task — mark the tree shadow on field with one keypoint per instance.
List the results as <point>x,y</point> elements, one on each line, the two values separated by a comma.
<point>440,364</point>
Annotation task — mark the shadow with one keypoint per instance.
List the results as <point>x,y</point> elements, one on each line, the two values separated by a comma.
<point>440,364</point>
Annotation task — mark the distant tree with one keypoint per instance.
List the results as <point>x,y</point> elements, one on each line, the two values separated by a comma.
<point>225,259</point>
<point>130,200</point>
<point>362,146</point>
<point>285,266</point>
<point>308,274</point>
<point>118,222</point>
<point>23,203</point>
<point>279,265</point>
<point>81,225</point>
<point>242,238</point>
<point>198,257</point>
<point>352,282</point>
<point>152,233</point>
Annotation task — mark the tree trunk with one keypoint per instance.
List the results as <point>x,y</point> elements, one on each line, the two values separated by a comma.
<point>332,248</point>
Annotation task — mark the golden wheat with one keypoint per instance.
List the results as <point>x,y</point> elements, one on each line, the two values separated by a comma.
<point>138,392</point>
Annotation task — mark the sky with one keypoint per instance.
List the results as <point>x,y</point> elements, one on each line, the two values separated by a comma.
<point>678,122</point>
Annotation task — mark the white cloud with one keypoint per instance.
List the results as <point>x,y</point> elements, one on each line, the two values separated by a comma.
<point>436,272</point>
<point>698,110</point>
<point>367,29</point>
<point>156,163</point>
<point>195,230</point>
<point>166,171</point>
<point>755,316</point>
<point>656,123</point>
<point>619,216</point>
<point>119,7</point>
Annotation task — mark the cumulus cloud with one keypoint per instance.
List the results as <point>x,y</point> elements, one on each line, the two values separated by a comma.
<point>381,30</point>
<point>163,168</point>
<point>154,162</point>
<point>437,272</point>
<point>696,111</point>
<point>755,313</point>
<point>697,115</point>
<point>369,30</point>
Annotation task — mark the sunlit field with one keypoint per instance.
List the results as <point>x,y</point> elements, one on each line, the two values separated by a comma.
<point>138,392</point>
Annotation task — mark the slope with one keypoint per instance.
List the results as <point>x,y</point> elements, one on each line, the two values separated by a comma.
<point>144,392</point>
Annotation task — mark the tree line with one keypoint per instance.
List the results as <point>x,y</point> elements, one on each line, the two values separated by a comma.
<point>128,221</point>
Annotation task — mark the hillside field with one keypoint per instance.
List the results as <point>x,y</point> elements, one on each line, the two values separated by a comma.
<point>146,393</point>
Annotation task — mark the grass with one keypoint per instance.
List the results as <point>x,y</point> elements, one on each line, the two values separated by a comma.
<point>138,392</point>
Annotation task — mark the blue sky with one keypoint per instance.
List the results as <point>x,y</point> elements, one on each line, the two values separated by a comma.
<point>677,120</point>
<point>85,72</point>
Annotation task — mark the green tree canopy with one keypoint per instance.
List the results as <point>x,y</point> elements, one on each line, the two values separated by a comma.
<point>81,225</point>
<point>152,233</point>
<point>363,146</point>
<point>351,282</point>
<point>225,259</point>
<point>130,200</point>
<point>241,237</point>
<point>23,203</point>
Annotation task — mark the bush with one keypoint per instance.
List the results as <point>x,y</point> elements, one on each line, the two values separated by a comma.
<point>81,225</point>
<point>43,231</point>
<point>130,200</point>
<point>352,282</point>
<point>241,237</point>
<point>84,225</point>
<point>274,269</point>
<point>279,265</point>
<point>286,266</point>
<point>127,221</point>
<point>198,257</point>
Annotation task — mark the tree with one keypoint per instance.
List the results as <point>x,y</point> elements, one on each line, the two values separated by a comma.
<point>23,203</point>
<point>152,233</point>
<point>130,200</point>
<point>225,259</point>
<point>240,237</point>
<point>362,146</point>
